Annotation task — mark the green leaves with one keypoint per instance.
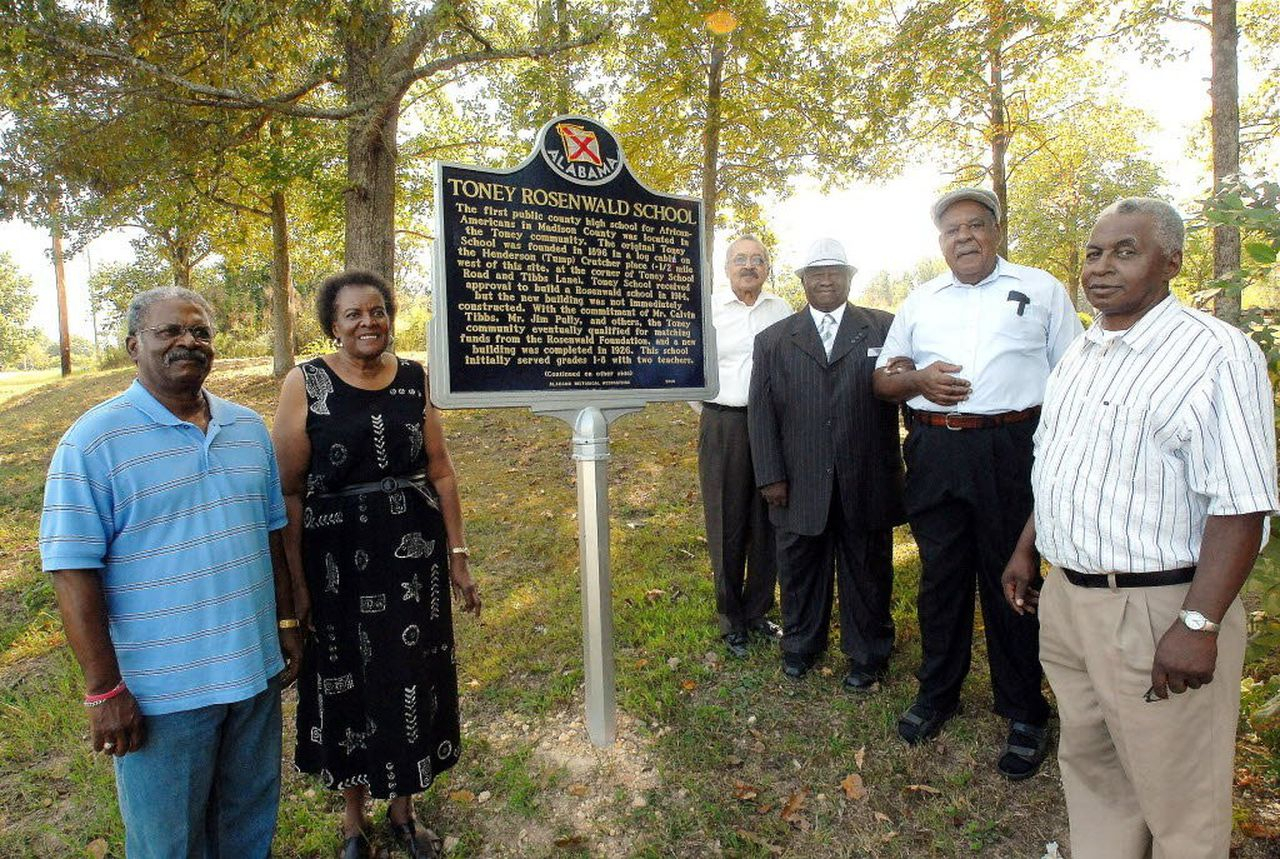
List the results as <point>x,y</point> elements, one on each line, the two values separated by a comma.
<point>1261,252</point>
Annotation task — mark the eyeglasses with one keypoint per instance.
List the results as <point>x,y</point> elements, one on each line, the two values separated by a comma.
<point>754,259</point>
<point>200,333</point>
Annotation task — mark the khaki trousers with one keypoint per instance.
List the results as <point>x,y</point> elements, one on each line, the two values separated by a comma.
<point>1141,779</point>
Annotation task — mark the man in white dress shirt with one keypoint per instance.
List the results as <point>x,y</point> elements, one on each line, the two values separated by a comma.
<point>983,337</point>
<point>740,539</point>
<point>1155,470</point>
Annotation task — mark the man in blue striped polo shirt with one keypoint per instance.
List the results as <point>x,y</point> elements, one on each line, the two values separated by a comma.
<point>161,527</point>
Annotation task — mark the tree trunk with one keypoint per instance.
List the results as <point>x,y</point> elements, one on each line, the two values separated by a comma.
<point>60,287</point>
<point>999,119</point>
<point>281,289</point>
<point>1224,94</point>
<point>371,153</point>
<point>181,264</point>
<point>711,149</point>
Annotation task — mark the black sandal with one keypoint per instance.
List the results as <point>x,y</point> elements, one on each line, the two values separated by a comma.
<point>417,844</point>
<point>922,722</point>
<point>356,847</point>
<point>1024,751</point>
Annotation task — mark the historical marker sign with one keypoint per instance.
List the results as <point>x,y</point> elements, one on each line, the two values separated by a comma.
<point>566,282</point>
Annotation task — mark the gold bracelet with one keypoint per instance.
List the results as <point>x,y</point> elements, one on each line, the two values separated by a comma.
<point>460,550</point>
<point>287,623</point>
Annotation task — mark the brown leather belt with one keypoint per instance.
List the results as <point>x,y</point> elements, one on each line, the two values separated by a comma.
<point>1130,580</point>
<point>959,421</point>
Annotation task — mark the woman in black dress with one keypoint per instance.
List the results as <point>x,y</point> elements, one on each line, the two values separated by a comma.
<point>375,531</point>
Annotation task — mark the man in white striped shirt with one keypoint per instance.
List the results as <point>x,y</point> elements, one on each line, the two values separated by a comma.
<point>1155,470</point>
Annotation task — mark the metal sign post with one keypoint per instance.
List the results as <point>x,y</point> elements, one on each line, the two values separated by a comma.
<point>568,286</point>
<point>591,454</point>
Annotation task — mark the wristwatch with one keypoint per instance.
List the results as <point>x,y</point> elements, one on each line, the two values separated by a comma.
<point>1196,622</point>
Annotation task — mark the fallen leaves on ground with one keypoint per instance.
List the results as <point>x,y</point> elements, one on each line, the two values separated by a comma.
<point>923,788</point>
<point>792,808</point>
<point>97,848</point>
<point>462,796</point>
<point>1260,831</point>
<point>853,787</point>
<point>743,791</point>
<point>860,757</point>
<point>578,790</point>
<point>571,842</point>
<point>688,685</point>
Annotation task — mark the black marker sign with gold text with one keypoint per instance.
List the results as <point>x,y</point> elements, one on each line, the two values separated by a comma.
<point>566,281</point>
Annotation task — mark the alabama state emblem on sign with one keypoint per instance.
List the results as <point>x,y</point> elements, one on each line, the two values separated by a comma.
<point>582,151</point>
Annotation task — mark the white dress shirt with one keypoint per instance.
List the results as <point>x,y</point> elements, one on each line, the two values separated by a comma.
<point>737,325</point>
<point>837,315</point>
<point>1006,345</point>
<point>1144,434</point>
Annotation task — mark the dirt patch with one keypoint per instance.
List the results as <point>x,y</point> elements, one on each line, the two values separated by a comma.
<point>590,788</point>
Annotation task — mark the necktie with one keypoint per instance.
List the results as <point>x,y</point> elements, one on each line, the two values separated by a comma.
<point>827,331</point>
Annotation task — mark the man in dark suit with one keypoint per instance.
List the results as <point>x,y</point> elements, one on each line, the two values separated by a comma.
<point>827,462</point>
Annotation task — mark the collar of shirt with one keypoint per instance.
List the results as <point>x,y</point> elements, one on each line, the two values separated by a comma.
<point>1002,269</point>
<point>1145,332</point>
<point>141,399</point>
<point>837,314</point>
<point>726,296</point>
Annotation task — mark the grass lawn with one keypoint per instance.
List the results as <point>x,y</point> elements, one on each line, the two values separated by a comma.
<point>714,757</point>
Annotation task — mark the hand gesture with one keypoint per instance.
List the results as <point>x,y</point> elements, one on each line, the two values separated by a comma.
<point>1016,581</point>
<point>464,589</point>
<point>291,650</point>
<point>938,385</point>
<point>115,725</point>
<point>1185,659</point>
<point>775,494</point>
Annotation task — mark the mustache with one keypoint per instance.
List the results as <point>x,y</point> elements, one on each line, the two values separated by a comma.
<point>179,353</point>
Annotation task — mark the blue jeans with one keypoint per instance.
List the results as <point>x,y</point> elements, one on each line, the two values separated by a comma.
<point>206,782</point>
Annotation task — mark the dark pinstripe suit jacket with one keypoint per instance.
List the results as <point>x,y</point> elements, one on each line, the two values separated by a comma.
<point>816,424</point>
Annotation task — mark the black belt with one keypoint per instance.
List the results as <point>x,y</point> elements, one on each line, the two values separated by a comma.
<point>717,407</point>
<point>387,484</point>
<point>1130,580</point>
<point>960,421</point>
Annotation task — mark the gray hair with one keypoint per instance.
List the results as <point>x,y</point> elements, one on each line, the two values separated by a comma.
<point>749,237</point>
<point>1169,228</point>
<point>141,304</point>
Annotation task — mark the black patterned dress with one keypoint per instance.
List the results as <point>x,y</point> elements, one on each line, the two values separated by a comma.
<point>378,692</point>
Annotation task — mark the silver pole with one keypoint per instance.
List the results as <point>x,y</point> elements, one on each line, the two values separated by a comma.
<point>591,453</point>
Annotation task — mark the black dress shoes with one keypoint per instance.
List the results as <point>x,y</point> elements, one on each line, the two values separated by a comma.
<point>736,643</point>
<point>765,628</point>
<point>858,680</point>
<point>795,666</point>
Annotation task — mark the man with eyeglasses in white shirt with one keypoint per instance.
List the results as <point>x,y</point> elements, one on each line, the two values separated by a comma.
<point>740,538</point>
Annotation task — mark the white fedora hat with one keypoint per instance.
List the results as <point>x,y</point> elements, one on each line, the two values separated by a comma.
<point>826,252</point>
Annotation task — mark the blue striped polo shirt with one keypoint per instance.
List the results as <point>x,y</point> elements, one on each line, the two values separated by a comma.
<point>176,520</point>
